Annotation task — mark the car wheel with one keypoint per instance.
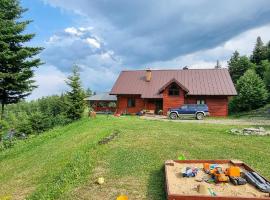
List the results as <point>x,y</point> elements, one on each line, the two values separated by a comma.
<point>173,116</point>
<point>199,116</point>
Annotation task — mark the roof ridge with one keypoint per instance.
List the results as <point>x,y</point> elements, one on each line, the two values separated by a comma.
<point>132,70</point>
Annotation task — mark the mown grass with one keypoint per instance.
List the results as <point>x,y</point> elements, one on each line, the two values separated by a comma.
<point>65,162</point>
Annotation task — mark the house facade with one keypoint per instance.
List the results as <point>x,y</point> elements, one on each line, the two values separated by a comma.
<point>164,89</point>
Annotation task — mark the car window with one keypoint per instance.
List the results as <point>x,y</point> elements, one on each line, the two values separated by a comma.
<point>184,107</point>
<point>191,106</point>
<point>202,107</point>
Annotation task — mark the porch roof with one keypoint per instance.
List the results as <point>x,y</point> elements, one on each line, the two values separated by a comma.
<point>105,96</point>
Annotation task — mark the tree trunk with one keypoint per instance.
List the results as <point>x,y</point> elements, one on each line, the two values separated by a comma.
<point>2,110</point>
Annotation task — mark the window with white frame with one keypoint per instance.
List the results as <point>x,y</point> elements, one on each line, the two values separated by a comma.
<point>200,101</point>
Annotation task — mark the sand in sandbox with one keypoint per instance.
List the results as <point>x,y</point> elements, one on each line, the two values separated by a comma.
<point>188,186</point>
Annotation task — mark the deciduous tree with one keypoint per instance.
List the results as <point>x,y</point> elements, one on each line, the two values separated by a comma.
<point>267,77</point>
<point>260,69</point>
<point>252,93</point>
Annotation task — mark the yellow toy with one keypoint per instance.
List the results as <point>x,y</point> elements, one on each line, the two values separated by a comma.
<point>122,197</point>
<point>219,175</point>
<point>233,171</point>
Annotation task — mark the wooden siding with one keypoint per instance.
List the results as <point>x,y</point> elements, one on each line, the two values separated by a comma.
<point>218,105</point>
<point>172,101</point>
<point>122,104</point>
<point>150,105</point>
<point>140,104</point>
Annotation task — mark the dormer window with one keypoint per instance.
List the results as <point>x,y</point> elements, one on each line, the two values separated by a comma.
<point>174,90</point>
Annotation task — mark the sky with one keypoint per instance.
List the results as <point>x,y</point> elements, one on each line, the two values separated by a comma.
<point>104,37</point>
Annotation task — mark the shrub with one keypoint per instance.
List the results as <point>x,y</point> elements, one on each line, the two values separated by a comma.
<point>33,117</point>
<point>112,105</point>
<point>24,127</point>
<point>39,122</point>
<point>8,143</point>
<point>60,120</point>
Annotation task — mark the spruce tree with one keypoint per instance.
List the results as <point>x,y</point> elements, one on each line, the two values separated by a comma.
<point>259,53</point>
<point>75,96</point>
<point>88,92</point>
<point>17,60</point>
<point>217,66</point>
<point>251,90</point>
<point>238,65</point>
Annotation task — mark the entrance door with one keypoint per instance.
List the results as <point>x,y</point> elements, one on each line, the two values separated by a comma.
<point>159,106</point>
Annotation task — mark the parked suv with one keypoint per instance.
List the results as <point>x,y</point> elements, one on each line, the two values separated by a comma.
<point>199,111</point>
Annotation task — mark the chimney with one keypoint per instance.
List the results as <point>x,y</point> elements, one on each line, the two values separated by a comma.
<point>148,75</point>
<point>185,68</point>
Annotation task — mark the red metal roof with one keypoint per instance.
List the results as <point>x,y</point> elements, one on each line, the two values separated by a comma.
<point>197,81</point>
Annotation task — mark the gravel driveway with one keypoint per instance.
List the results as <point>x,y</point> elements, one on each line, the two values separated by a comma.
<point>212,120</point>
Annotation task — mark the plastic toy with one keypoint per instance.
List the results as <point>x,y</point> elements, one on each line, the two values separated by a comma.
<point>190,172</point>
<point>181,157</point>
<point>122,197</point>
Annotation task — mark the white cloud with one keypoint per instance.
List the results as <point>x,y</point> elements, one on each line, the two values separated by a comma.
<point>86,29</point>
<point>53,39</point>
<point>108,55</point>
<point>49,80</point>
<point>93,42</point>
<point>78,31</point>
<point>73,31</point>
<point>100,79</point>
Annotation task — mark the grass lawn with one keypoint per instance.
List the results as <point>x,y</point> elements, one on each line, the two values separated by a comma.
<point>65,162</point>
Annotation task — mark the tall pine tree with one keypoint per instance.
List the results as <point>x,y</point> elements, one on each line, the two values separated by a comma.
<point>75,96</point>
<point>218,65</point>
<point>16,59</point>
<point>238,65</point>
<point>88,92</point>
<point>259,53</point>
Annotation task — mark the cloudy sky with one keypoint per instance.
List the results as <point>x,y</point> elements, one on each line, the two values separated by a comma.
<point>104,37</point>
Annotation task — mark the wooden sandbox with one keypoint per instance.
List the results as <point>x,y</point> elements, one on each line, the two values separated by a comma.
<point>180,188</point>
